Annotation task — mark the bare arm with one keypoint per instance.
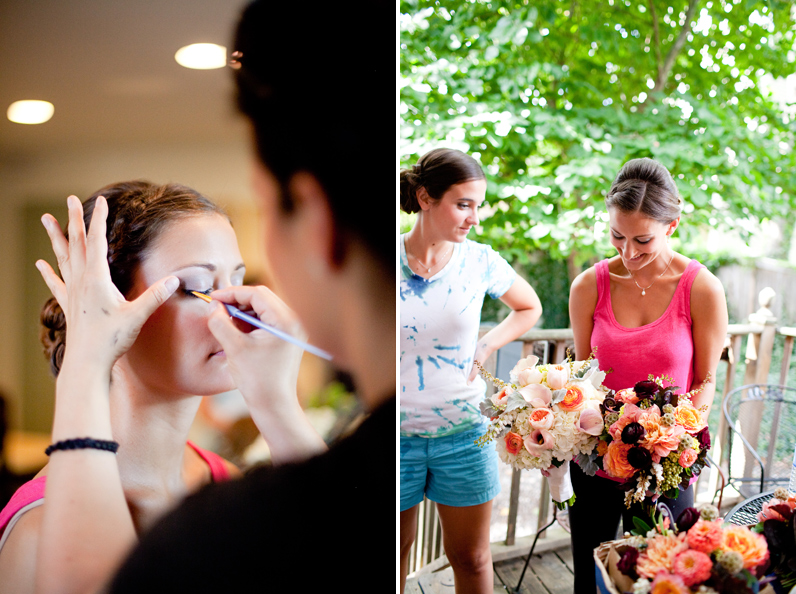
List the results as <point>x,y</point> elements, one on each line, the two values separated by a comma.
<point>525,311</point>
<point>582,301</point>
<point>709,330</point>
<point>86,527</point>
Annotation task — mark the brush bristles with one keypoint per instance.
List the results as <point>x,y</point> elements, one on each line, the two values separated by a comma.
<point>201,296</point>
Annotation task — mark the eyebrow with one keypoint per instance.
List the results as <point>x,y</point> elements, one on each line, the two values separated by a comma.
<point>207,266</point>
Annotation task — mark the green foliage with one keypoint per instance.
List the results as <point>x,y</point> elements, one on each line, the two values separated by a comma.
<point>553,96</point>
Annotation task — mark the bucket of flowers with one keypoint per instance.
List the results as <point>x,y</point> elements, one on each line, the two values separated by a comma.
<point>697,554</point>
<point>655,441</point>
<point>777,524</point>
<point>545,417</point>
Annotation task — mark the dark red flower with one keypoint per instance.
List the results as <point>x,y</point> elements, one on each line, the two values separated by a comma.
<point>646,389</point>
<point>632,433</point>
<point>639,458</point>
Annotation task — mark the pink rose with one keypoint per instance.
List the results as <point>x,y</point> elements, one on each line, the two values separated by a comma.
<point>687,458</point>
<point>590,421</point>
<point>536,395</point>
<point>513,443</point>
<point>627,396</point>
<point>529,376</point>
<point>499,398</point>
<point>557,376</point>
<point>541,418</point>
<point>539,441</point>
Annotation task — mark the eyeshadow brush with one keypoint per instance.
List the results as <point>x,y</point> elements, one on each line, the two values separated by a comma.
<point>236,313</point>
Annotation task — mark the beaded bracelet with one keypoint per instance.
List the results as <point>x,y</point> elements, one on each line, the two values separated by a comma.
<point>82,443</point>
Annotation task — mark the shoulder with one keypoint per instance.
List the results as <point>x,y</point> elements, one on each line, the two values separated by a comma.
<point>707,287</point>
<point>584,287</point>
<point>18,555</point>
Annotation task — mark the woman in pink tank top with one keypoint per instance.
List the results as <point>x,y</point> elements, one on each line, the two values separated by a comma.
<point>150,383</point>
<point>647,310</point>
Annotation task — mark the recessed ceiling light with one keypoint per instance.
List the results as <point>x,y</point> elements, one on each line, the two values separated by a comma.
<point>30,112</point>
<point>202,56</point>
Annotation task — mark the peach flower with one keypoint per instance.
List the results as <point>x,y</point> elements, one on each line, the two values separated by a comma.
<point>536,395</point>
<point>615,460</point>
<point>667,583</point>
<point>705,536</point>
<point>538,441</point>
<point>751,546</point>
<point>529,376</point>
<point>499,398</point>
<point>659,439</point>
<point>541,418</point>
<point>693,566</point>
<point>574,399</point>
<point>687,458</point>
<point>660,553</point>
<point>557,376</point>
<point>627,396</point>
<point>690,418</point>
<point>525,364</point>
<point>513,443</point>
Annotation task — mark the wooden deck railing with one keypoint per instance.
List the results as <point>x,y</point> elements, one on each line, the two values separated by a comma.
<point>761,333</point>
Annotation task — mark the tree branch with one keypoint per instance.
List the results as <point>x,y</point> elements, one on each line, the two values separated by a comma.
<point>663,72</point>
<point>656,34</point>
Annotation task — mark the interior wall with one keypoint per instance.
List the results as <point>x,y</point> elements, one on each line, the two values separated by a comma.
<point>31,184</point>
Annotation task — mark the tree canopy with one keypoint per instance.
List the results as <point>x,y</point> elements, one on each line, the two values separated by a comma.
<point>553,96</point>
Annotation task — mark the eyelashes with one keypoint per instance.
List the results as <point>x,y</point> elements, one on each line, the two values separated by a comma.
<point>189,292</point>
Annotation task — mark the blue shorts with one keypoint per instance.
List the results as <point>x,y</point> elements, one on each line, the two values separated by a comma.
<point>450,470</point>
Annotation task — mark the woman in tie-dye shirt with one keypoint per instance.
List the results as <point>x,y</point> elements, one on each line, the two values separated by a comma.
<point>444,278</point>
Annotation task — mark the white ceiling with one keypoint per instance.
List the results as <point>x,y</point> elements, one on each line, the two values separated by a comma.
<point>108,67</point>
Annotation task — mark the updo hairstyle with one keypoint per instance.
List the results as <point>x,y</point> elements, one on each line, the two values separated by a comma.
<point>437,171</point>
<point>137,213</point>
<point>645,186</point>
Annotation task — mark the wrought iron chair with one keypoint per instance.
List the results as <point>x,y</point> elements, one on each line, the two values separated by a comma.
<point>762,433</point>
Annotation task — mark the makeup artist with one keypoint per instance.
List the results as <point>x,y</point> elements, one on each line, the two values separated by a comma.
<point>330,242</point>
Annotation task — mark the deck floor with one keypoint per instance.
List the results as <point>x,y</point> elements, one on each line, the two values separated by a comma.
<point>548,573</point>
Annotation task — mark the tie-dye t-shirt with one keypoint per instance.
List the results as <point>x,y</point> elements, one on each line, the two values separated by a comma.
<point>440,317</point>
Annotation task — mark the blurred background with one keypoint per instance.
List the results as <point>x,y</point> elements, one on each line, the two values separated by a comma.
<point>123,109</point>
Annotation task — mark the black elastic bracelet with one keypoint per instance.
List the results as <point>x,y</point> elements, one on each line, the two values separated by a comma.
<point>83,443</point>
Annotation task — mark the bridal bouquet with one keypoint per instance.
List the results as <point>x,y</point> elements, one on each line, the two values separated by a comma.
<point>698,553</point>
<point>545,417</point>
<point>655,440</point>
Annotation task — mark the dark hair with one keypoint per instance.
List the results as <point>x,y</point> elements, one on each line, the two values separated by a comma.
<point>437,171</point>
<point>322,100</point>
<point>138,211</point>
<point>645,186</point>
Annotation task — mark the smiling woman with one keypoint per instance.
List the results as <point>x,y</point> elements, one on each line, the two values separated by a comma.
<point>157,381</point>
<point>444,279</point>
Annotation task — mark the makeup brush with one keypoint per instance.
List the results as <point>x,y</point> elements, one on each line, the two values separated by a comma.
<point>236,313</point>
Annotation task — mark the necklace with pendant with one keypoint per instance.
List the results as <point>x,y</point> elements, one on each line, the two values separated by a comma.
<point>428,268</point>
<point>644,289</point>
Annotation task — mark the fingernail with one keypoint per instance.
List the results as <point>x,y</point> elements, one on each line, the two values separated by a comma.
<point>172,283</point>
<point>45,221</point>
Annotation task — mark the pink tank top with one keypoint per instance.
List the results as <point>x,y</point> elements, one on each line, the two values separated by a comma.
<point>33,490</point>
<point>664,347</point>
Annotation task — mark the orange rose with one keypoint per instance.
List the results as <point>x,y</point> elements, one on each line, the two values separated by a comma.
<point>541,418</point>
<point>574,399</point>
<point>705,536</point>
<point>615,460</point>
<point>687,458</point>
<point>514,443</point>
<point>751,546</point>
<point>689,417</point>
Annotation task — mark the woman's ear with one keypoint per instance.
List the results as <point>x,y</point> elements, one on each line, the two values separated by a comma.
<point>672,227</point>
<point>423,199</point>
<point>314,221</point>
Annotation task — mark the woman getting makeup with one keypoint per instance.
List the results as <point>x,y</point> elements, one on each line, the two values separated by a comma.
<point>152,234</point>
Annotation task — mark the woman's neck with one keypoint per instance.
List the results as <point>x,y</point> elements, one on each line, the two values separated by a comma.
<point>423,244</point>
<point>151,429</point>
